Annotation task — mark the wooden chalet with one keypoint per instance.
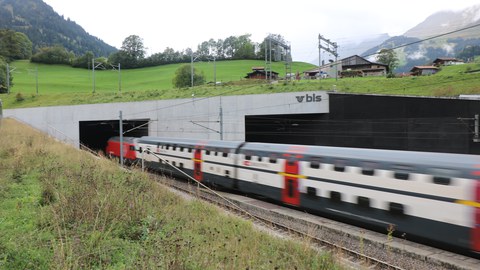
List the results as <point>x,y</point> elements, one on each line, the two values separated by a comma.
<point>445,61</point>
<point>259,73</point>
<point>423,70</point>
<point>359,66</point>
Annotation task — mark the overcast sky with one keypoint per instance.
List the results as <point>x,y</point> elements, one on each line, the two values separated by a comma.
<point>185,24</point>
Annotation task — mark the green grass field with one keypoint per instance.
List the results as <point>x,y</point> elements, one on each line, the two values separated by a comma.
<point>63,85</point>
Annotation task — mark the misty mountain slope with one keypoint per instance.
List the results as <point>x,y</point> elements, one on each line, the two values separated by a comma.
<point>424,52</point>
<point>44,27</point>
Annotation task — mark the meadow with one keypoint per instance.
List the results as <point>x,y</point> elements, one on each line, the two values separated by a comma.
<point>71,210</point>
<point>63,85</point>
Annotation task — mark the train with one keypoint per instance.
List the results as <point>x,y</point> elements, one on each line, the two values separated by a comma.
<point>428,197</point>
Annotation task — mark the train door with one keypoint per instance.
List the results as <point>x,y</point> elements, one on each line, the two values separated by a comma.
<point>197,165</point>
<point>476,224</point>
<point>291,193</point>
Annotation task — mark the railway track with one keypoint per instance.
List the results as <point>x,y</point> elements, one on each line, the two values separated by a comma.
<point>357,248</point>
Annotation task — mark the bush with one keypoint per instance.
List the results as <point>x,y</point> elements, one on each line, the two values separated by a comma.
<point>183,77</point>
<point>19,97</point>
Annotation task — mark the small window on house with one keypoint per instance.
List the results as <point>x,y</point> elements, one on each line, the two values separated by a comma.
<point>335,196</point>
<point>396,208</point>
<point>363,202</point>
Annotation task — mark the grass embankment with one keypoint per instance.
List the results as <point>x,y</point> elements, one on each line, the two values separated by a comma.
<point>62,85</point>
<point>61,208</point>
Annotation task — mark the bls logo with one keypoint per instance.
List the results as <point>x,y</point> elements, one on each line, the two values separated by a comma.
<point>309,98</point>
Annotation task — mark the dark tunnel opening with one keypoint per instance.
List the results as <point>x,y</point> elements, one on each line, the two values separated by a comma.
<point>95,134</point>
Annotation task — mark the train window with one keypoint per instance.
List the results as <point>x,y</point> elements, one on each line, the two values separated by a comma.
<point>259,159</point>
<point>225,154</point>
<point>174,148</point>
<point>272,160</point>
<point>439,180</point>
<point>132,147</point>
<point>396,208</point>
<point>207,152</point>
<point>311,191</point>
<point>339,168</point>
<point>314,165</point>
<point>291,163</point>
<point>401,175</point>
<point>227,173</point>
<point>189,150</point>
<point>167,147</point>
<point>215,153</point>
<point>174,163</point>
<point>248,157</point>
<point>370,172</point>
<point>290,188</point>
<point>335,196</point>
<point>402,172</point>
<point>140,149</point>
<point>181,148</point>
<point>363,202</point>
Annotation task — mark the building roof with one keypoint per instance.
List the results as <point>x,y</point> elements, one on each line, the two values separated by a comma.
<point>424,67</point>
<point>447,59</point>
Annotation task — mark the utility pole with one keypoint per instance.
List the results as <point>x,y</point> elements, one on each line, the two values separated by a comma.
<point>330,47</point>
<point>93,72</point>
<point>119,79</point>
<point>121,139</point>
<point>36,79</point>
<point>278,42</point>
<point>8,77</point>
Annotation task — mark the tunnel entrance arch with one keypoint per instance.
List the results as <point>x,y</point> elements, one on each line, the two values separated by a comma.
<point>95,134</point>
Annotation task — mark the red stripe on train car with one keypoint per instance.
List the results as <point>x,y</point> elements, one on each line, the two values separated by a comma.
<point>476,228</point>
<point>290,192</point>
<point>197,165</point>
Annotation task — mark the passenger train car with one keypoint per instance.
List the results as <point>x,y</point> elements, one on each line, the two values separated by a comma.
<point>426,196</point>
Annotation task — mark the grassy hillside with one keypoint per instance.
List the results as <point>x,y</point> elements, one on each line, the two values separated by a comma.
<point>61,85</point>
<point>70,210</point>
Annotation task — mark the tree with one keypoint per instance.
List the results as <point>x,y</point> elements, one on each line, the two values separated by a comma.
<point>3,76</point>
<point>53,55</point>
<point>389,58</point>
<point>183,77</point>
<point>14,45</point>
<point>133,46</point>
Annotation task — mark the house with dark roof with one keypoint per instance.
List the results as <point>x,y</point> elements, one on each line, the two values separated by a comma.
<point>259,73</point>
<point>360,66</point>
<point>353,66</point>
<point>446,61</point>
<point>423,70</point>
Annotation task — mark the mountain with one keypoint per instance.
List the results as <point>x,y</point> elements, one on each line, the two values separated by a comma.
<point>44,27</point>
<point>422,50</point>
